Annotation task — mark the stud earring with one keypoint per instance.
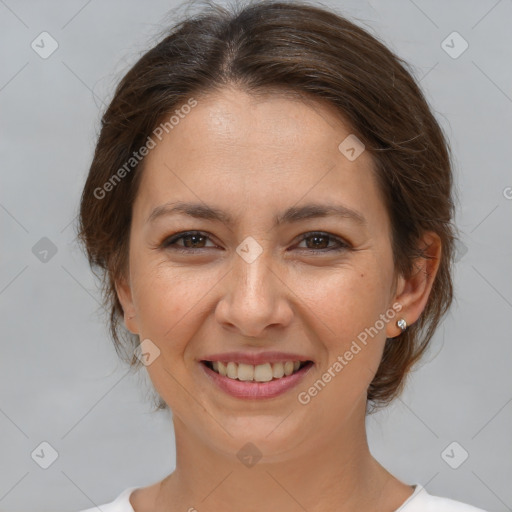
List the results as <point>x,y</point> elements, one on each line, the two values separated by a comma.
<point>402,324</point>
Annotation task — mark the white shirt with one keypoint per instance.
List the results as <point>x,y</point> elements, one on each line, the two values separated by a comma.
<point>419,501</point>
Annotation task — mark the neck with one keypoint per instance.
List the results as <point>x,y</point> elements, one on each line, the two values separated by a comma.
<point>337,473</point>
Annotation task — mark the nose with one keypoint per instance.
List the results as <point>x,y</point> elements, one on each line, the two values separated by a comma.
<point>255,298</point>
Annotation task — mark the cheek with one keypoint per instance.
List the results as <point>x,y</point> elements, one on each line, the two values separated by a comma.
<point>167,300</point>
<point>344,299</point>
<point>345,307</point>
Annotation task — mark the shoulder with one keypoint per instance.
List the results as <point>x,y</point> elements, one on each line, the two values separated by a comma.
<point>120,504</point>
<point>422,501</point>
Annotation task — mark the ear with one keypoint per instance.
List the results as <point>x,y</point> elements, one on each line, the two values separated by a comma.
<point>124,294</point>
<point>413,293</point>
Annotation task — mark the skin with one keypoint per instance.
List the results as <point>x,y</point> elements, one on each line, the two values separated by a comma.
<point>254,157</point>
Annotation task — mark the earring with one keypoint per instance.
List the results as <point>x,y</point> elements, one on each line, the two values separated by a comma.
<point>402,324</point>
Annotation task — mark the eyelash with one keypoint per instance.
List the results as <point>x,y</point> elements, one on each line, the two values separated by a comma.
<point>169,241</point>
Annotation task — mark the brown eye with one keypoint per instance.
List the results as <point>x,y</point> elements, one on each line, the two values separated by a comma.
<point>196,240</point>
<point>319,241</point>
<point>191,240</point>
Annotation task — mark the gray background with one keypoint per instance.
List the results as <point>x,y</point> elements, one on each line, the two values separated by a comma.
<point>60,380</point>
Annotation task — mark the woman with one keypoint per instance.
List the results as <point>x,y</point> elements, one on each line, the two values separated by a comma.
<point>270,202</point>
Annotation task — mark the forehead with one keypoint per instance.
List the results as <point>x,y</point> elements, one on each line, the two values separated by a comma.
<point>241,150</point>
<point>280,122</point>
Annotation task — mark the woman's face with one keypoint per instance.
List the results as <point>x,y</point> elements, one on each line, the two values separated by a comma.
<point>250,285</point>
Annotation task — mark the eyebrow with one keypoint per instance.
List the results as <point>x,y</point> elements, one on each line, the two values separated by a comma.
<point>291,215</point>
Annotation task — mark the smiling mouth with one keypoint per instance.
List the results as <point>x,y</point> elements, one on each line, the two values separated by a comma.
<point>256,373</point>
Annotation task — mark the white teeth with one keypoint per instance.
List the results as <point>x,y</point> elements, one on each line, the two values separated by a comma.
<point>231,370</point>
<point>263,372</point>
<point>222,368</point>
<point>258,373</point>
<point>288,368</point>
<point>278,370</point>
<point>245,371</point>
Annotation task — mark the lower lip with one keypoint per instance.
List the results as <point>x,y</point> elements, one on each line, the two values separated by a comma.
<point>256,390</point>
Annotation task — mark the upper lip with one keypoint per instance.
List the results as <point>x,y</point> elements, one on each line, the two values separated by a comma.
<point>256,358</point>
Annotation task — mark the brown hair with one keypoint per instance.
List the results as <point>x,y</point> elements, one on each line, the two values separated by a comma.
<point>303,49</point>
